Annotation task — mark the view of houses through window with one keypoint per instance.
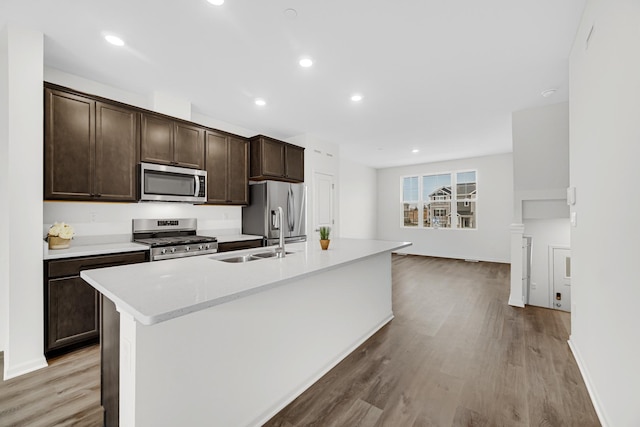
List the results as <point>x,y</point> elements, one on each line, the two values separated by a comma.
<point>445,200</point>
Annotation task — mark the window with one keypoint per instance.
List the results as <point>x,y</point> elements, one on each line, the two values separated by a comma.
<point>466,187</point>
<point>410,201</point>
<point>446,200</point>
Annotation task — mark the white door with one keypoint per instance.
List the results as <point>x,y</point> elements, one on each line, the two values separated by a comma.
<point>561,297</point>
<point>323,198</point>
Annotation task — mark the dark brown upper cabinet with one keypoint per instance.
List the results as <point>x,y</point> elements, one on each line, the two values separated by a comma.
<point>90,149</point>
<point>227,162</point>
<point>278,160</point>
<point>171,142</point>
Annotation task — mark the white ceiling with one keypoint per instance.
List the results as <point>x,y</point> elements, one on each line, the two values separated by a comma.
<point>442,76</point>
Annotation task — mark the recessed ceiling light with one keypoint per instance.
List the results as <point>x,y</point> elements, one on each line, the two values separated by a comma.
<point>291,13</point>
<point>549,92</point>
<point>261,102</point>
<point>356,97</point>
<point>306,62</point>
<point>216,2</point>
<point>114,40</point>
<point>415,150</point>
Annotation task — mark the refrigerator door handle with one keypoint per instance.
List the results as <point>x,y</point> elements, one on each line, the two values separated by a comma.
<point>290,205</point>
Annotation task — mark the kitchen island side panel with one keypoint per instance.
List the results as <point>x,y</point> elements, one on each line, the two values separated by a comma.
<point>239,363</point>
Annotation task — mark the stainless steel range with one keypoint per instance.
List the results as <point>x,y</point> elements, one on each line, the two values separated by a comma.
<point>172,238</point>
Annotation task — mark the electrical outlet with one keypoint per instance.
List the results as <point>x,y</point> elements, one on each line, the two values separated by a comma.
<point>534,285</point>
<point>93,216</point>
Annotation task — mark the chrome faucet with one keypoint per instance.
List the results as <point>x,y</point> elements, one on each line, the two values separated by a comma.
<point>280,252</point>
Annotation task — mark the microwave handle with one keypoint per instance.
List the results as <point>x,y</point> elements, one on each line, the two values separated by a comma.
<point>197,178</point>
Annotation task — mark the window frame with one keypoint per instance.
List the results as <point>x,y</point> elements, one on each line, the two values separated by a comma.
<point>454,200</point>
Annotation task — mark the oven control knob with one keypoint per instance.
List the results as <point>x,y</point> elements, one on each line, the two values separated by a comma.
<point>187,248</point>
<point>200,247</point>
<point>206,246</point>
<point>163,251</point>
<point>173,250</point>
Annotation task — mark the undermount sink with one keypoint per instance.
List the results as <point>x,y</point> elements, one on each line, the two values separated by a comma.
<point>250,257</point>
<point>270,254</point>
<point>236,259</point>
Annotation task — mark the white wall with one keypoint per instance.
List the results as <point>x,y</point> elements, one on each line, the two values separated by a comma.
<point>541,147</point>
<point>605,148</point>
<point>541,176</point>
<point>102,219</point>
<point>4,188</point>
<point>22,200</point>
<point>545,233</point>
<point>319,156</point>
<point>358,200</point>
<point>489,242</point>
<point>541,162</point>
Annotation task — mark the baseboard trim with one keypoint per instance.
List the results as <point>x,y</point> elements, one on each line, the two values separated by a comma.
<point>23,368</point>
<point>293,396</point>
<point>587,381</point>
<point>516,303</point>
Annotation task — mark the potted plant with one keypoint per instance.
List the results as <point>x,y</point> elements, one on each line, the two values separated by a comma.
<point>324,237</point>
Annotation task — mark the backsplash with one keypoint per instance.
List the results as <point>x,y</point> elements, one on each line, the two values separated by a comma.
<point>104,219</point>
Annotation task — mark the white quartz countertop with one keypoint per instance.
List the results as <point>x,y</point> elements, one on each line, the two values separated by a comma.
<point>234,237</point>
<point>88,249</point>
<point>101,245</point>
<point>158,291</point>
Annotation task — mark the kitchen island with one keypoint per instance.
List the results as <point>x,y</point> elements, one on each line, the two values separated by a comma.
<point>209,342</point>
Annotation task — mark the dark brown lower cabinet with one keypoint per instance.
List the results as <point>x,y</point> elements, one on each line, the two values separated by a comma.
<point>76,315</point>
<point>239,245</point>
<point>72,318</point>
<point>72,306</point>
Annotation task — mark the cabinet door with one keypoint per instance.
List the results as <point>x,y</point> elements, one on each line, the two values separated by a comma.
<point>116,152</point>
<point>272,161</point>
<point>72,312</point>
<point>189,146</point>
<point>156,141</point>
<point>217,167</point>
<point>239,245</point>
<point>238,180</point>
<point>69,142</point>
<point>294,156</point>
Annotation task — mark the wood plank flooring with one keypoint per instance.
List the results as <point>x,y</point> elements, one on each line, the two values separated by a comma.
<point>66,393</point>
<point>455,355</point>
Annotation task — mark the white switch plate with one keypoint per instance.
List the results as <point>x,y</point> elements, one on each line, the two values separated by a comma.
<point>571,196</point>
<point>574,219</point>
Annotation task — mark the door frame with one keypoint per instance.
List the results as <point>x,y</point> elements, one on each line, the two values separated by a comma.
<point>314,213</point>
<point>552,248</point>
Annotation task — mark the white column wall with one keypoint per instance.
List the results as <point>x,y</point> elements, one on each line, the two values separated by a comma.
<point>4,188</point>
<point>604,153</point>
<point>22,198</point>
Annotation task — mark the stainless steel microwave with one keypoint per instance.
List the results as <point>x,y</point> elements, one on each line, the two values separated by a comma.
<point>161,183</point>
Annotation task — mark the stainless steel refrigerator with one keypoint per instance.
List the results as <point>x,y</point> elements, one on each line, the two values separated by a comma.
<point>260,217</point>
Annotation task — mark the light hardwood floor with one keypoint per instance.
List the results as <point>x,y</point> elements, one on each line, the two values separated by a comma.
<point>455,355</point>
<point>66,393</point>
